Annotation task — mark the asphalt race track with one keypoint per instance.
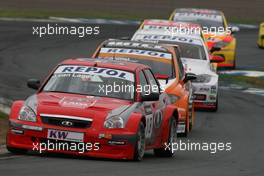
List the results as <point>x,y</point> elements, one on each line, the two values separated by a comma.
<point>239,120</point>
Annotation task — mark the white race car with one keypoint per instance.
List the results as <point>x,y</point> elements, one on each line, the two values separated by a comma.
<point>196,59</point>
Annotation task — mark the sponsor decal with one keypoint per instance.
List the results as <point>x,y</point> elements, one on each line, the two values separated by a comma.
<point>77,102</point>
<point>163,25</point>
<point>158,118</point>
<point>135,44</point>
<point>65,135</point>
<point>139,52</point>
<point>149,120</point>
<point>173,38</point>
<point>74,70</point>
<point>199,97</point>
<point>204,89</point>
<point>194,15</point>
<point>169,24</point>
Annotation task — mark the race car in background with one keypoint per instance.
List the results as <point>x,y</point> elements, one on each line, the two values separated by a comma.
<point>167,68</point>
<point>70,109</point>
<point>261,36</point>
<point>196,59</point>
<point>215,29</point>
<point>173,27</point>
<point>177,28</point>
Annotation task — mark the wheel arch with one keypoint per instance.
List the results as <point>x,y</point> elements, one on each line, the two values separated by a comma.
<point>171,112</point>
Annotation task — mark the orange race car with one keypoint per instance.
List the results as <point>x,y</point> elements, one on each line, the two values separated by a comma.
<point>167,67</point>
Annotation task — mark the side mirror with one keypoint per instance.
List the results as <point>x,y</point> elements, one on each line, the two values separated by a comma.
<point>217,59</point>
<point>234,29</point>
<point>162,77</point>
<point>154,96</point>
<point>214,48</point>
<point>189,77</point>
<point>33,84</point>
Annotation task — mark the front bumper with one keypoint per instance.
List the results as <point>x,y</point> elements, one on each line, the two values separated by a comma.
<point>229,55</point>
<point>205,105</point>
<point>114,144</point>
<point>205,95</point>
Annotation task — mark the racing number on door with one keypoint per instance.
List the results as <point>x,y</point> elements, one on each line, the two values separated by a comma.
<point>149,125</point>
<point>149,121</point>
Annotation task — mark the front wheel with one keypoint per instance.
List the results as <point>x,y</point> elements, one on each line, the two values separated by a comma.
<point>140,143</point>
<point>166,152</point>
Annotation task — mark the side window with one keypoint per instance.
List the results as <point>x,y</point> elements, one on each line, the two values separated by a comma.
<point>173,75</point>
<point>143,83</point>
<point>154,86</point>
<point>181,68</point>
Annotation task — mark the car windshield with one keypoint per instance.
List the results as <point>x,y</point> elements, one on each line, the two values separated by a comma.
<point>209,21</point>
<point>160,63</point>
<point>190,47</point>
<point>191,51</point>
<point>92,81</point>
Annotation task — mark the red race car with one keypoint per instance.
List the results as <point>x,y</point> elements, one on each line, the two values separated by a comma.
<point>97,108</point>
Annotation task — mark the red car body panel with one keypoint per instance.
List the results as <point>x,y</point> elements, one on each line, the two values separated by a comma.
<point>51,103</point>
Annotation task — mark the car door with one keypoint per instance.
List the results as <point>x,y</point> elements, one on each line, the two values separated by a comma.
<point>146,107</point>
<point>154,121</point>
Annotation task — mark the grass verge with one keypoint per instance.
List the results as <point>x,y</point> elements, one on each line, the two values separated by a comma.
<point>244,81</point>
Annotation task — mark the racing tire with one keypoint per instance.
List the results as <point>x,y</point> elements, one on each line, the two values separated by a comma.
<point>16,151</point>
<point>140,143</point>
<point>165,152</point>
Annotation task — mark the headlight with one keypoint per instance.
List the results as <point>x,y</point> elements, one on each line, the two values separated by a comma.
<point>202,79</point>
<point>114,122</point>
<point>27,114</point>
<point>173,98</point>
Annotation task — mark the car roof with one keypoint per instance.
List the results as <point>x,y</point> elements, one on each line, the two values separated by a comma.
<point>161,32</point>
<point>106,63</point>
<point>196,39</point>
<point>152,46</point>
<point>169,23</point>
<point>198,10</point>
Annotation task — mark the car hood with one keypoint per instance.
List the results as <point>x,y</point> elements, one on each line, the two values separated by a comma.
<point>215,36</point>
<point>76,105</point>
<point>196,66</point>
